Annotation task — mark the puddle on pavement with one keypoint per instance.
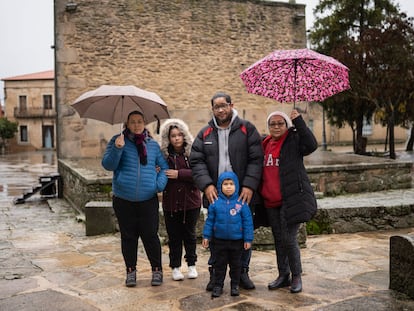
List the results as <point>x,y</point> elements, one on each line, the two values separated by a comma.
<point>35,164</point>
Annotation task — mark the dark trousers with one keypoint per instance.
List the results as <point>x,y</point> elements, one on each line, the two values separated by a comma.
<point>181,229</point>
<point>245,257</point>
<point>227,252</point>
<point>286,244</point>
<point>139,220</point>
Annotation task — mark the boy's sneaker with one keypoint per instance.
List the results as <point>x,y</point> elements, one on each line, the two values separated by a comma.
<point>234,291</point>
<point>210,284</point>
<point>217,291</point>
<point>131,278</point>
<point>177,275</point>
<point>156,278</point>
<point>192,272</point>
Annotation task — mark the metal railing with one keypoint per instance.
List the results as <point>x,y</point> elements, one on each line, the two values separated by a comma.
<point>34,113</point>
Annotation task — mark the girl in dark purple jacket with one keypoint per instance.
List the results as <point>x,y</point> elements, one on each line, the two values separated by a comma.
<point>181,200</point>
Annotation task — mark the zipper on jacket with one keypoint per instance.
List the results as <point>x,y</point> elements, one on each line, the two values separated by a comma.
<point>139,173</point>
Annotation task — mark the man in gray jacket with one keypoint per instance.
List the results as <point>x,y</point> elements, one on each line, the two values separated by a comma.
<point>227,143</point>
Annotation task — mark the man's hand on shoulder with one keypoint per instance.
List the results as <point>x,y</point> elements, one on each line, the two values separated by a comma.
<point>246,195</point>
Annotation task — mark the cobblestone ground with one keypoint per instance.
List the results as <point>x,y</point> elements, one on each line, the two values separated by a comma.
<point>47,263</point>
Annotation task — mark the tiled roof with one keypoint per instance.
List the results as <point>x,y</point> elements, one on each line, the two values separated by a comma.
<point>44,75</point>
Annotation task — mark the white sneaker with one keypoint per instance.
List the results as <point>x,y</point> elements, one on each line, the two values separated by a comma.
<point>177,275</point>
<point>192,272</point>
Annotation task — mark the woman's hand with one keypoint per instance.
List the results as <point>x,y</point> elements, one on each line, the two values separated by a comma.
<point>172,174</point>
<point>294,114</point>
<point>120,141</point>
<point>204,243</point>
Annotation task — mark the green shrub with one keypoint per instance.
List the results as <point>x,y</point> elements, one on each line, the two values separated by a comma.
<point>314,228</point>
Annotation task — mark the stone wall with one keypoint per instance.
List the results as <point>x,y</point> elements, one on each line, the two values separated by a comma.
<point>361,218</point>
<point>340,179</point>
<point>81,185</point>
<point>85,179</point>
<point>183,50</point>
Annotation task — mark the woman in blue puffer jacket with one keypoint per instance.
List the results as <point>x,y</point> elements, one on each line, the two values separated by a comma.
<point>133,157</point>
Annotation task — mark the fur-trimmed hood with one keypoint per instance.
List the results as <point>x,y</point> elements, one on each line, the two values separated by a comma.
<point>183,127</point>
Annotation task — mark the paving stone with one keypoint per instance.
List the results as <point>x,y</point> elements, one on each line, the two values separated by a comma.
<point>45,300</point>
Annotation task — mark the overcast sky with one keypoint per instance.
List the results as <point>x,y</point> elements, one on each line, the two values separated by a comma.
<point>26,35</point>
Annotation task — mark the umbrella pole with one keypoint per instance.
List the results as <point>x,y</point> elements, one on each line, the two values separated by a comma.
<point>294,84</point>
<point>122,112</point>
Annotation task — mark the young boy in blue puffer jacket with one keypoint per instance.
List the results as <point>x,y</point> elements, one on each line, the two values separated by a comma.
<point>228,229</point>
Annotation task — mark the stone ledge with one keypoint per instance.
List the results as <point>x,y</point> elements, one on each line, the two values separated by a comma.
<point>402,264</point>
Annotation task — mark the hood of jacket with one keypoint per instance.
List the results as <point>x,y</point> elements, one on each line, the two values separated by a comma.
<point>183,128</point>
<point>232,176</point>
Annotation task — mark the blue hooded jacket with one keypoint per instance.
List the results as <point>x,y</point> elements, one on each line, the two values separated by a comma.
<point>133,181</point>
<point>228,218</point>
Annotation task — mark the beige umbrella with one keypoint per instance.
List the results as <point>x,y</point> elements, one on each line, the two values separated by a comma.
<point>113,103</point>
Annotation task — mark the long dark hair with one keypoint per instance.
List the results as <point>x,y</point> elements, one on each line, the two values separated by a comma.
<point>170,147</point>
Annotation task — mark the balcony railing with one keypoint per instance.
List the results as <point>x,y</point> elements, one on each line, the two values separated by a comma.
<point>34,113</point>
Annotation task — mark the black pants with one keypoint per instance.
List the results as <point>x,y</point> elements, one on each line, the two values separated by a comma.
<point>139,220</point>
<point>245,258</point>
<point>227,252</point>
<point>286,244</point>
<point>181,229</point>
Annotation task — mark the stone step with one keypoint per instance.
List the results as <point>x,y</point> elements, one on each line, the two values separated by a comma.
<point>371,211</point>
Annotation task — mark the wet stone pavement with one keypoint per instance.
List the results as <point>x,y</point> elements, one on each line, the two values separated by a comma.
<point>47,263</point>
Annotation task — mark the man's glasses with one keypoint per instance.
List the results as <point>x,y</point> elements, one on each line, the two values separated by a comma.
<point>221,106</point>
<point>277,124</point>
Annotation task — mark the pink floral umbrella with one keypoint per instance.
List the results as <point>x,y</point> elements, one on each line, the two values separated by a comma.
<point>296,75</point>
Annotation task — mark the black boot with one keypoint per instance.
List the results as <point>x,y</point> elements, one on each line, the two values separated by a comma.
<point>296,286</point>
<point>210,284</point>
<point>281,281</point>
<point>245,281</point>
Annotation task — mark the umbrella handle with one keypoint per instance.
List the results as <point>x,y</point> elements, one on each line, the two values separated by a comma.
<point>158,123</point>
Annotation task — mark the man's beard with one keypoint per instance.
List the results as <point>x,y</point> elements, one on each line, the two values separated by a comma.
<point>225,121</point>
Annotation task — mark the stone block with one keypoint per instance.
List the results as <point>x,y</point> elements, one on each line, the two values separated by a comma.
<point>100,218</point>
<point>402,264</point>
